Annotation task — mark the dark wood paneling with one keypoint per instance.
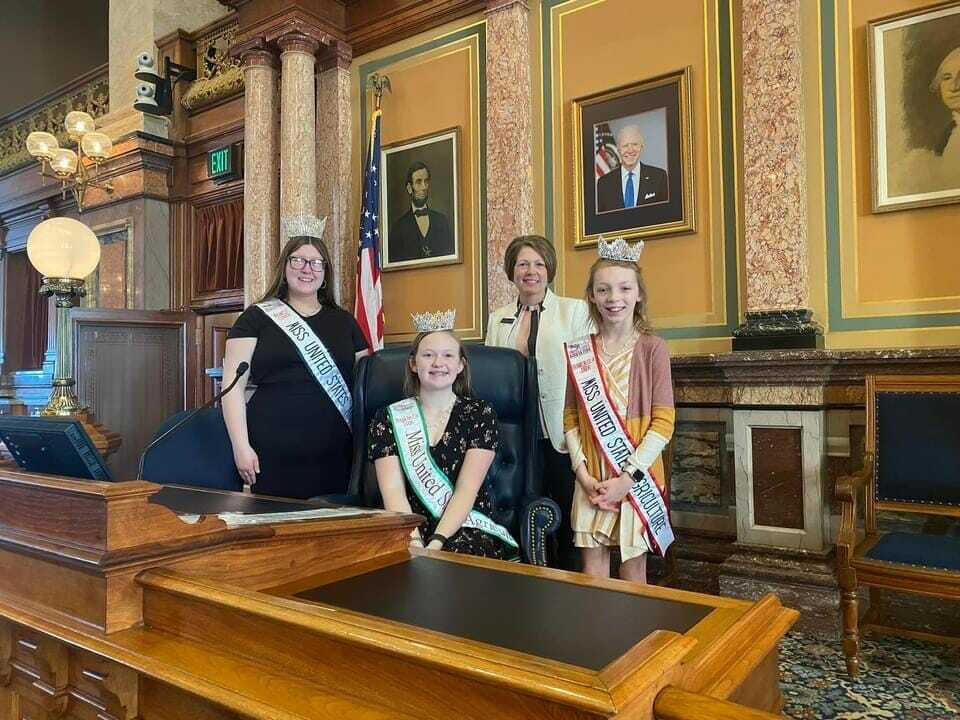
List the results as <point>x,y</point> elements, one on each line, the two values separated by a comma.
<point>215,330</point>
<point>134,369</point>
<point>778,477</point>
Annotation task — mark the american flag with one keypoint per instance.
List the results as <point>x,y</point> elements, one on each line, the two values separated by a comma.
<point>605,156</point>
<point>368,306</point>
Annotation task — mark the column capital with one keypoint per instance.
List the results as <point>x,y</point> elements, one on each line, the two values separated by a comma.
<point>497,5</point>
<point>296,42</point>
<point>254,53</point>
<point>338,55</point>
<point>297,34</point>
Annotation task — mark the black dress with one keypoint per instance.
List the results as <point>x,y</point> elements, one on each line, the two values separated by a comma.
<point>303,444</point>
<point>472,424</point>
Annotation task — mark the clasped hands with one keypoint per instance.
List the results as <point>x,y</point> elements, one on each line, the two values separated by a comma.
<point>608,494</point>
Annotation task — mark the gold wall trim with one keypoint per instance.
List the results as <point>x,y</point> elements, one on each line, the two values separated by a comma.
<point>466,36</point>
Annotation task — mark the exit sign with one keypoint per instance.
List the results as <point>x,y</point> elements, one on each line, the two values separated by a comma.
<point>224,163</point>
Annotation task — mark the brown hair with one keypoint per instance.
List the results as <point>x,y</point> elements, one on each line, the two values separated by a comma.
<point>411,383</point>
<point>640,321</point>
<point>278,287</point>
<point>540,245</point>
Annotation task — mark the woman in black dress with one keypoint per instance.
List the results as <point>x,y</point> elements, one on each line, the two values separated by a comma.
<point>291,440</point>
<point>463,437</point>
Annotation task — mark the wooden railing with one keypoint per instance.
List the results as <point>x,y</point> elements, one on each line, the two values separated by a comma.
<point>675,704</point>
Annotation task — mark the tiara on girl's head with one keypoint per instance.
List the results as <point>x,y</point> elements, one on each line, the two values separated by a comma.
<point>304,225</point>
<point>435,321</point>
<point>619,250</point>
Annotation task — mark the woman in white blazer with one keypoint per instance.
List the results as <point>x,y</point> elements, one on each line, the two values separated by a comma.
<point>538,324</point>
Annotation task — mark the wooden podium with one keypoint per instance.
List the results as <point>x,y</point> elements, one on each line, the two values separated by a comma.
<point>128,600</point>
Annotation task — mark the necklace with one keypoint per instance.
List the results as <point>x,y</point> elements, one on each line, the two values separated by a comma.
<point>437,421</point>
<point>628,343</point>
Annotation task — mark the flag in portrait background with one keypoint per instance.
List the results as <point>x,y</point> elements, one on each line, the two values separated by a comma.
<point>605,156</point>
<point>368,305</point>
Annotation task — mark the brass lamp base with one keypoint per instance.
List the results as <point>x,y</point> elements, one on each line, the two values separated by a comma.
<point>64,403</point>
<point>63,400</point>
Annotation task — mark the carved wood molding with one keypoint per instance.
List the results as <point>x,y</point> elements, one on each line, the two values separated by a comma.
<point>372,24</point>
<point>270,25</point>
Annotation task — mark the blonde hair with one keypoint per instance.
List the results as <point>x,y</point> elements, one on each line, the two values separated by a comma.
<point>640,321</point>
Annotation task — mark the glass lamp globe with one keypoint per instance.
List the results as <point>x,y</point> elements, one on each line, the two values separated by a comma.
<point>63,248</point>
<point>96,145</point>
<point>64,161</point>
<point>78,123</point>
<point>41,144</point>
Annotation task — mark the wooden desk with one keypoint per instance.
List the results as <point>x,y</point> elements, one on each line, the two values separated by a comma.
<point>114,608</point>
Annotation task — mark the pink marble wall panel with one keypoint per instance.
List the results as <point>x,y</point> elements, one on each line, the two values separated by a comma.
<point>334,163</point>
<point>509,140</point>
<point>298,129</point>
<point>261,222</point>
<point>774,187</point>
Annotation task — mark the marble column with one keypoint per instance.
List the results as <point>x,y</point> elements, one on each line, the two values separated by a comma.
<point>509,138</point>
<point>298,126</point>
<point>334,198</point>
<point>261,221</point>
<point>774,185</point>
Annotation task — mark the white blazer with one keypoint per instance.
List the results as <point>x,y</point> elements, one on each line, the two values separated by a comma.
<point>561,319</point>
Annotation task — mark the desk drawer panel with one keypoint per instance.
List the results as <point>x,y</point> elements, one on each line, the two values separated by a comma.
<point>100,688</point>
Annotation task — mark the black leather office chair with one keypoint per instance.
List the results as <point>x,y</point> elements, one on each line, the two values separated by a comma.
<point>506,380</point>
<point>198,454</point>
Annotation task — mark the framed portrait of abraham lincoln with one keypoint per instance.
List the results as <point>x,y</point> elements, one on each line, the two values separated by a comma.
<point>420,201</point>
<point>914,63</point>
<point>633,160</point>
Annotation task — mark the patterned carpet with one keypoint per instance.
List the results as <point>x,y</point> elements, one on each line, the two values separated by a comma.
<point>900,679</point>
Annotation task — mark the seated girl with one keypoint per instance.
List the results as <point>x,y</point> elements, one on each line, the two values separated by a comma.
<point>432,450</point>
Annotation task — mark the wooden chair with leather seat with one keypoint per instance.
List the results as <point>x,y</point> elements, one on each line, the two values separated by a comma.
<point>911,466</point>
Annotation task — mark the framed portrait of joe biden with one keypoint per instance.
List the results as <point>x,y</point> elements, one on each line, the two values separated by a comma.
<point>420,201</point>
<point>914,63</point>
<point>633,159</point>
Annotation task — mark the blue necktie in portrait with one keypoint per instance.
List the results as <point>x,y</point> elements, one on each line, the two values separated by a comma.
<point>629,197</point>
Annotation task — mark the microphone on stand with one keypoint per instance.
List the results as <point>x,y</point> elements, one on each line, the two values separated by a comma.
<point>241,369</point>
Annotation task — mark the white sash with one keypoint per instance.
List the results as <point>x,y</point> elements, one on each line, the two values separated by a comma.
<point>314,353</point>
<point>614,442</point>
<point>428,481</point>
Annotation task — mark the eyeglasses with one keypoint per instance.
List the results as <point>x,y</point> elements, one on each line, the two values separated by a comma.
<point>298,263</point>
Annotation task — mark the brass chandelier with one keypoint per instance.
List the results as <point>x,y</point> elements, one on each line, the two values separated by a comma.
<point>67,165</point>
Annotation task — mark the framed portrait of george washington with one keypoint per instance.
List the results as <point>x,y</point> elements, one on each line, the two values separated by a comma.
<point>914,66</point>
<point>420,201</point>
<point>633,160</point>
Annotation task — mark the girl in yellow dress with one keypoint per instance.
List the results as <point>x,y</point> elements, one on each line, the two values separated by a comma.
<point>619,389</point>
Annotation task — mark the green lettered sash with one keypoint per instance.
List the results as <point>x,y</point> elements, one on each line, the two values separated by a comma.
<point>428,481</point>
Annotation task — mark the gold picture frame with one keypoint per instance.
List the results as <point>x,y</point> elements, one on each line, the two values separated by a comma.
<point>440,153</point>
<point>655,116</point>
<point>914,141</point>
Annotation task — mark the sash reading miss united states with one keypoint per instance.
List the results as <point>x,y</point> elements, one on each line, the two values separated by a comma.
<point>315,355</point>
<point>428,481</point>
<point>613,440</point>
